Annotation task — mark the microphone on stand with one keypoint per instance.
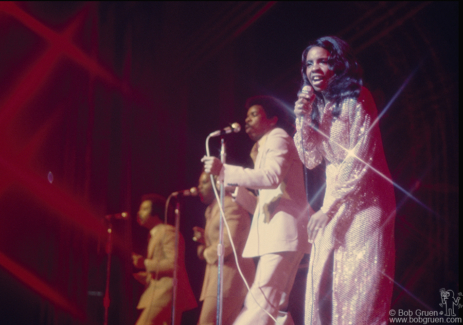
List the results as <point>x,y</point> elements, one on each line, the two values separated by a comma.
<point>234,127</point>
<point>118,216</point>
<point>191,192</point>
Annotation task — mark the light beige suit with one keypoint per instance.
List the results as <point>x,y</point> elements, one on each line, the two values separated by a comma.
<point>233,287</point>
<point>156,300</point>
<point>281,212</point>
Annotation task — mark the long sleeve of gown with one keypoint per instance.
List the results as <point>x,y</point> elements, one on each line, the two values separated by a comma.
<point>306,140</point>
<point>359,153</point>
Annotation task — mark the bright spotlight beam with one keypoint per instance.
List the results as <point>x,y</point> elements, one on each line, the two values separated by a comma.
<point>405,83</point>
<point>401,287</point>
<point>315,196</point>
<point>352,154</point>
<point>351,151</point>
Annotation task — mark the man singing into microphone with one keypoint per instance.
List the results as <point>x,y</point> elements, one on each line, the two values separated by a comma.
<point>158,266</point>
<point>278,234</point>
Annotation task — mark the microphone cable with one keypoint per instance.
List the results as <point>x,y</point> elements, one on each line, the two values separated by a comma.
<point>222,213</point>
<point>312,256</point>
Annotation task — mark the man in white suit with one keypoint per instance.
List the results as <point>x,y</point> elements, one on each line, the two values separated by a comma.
<point>278,234</point>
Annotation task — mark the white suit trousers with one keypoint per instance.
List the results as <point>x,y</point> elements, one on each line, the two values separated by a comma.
<point>272,285</point>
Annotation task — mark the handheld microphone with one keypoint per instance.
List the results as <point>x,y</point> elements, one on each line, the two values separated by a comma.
<point>234,127</point>
<point>306,91</point>
<point>191,192</point>
<point>119,216</point>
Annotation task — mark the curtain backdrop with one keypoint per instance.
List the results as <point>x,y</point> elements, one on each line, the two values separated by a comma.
<point>101,102</point>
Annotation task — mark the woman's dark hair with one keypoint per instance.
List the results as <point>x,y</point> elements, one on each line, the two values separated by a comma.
<point>273,107</point>
<point>347,79</point>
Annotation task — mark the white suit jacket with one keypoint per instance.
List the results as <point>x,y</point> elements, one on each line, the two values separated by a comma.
<point>281,212</point>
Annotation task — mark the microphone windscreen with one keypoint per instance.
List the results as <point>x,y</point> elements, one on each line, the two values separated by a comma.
<point>306,90</point>
<point>236,127</point>
<point>193,191</point>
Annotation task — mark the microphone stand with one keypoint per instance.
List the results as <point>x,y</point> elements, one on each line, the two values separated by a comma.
<point>175,280</point>
<point>220,245</point>
<point>106,300</point>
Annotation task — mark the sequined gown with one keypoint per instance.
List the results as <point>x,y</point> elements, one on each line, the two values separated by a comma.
<point>359,201</point>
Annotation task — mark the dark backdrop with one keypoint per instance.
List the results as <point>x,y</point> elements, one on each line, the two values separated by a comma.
<point>101,102</point>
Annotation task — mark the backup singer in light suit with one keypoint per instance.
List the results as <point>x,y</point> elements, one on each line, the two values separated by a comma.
<point>156,300</point>
<point>278,234</point>
<point>233,287</point>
